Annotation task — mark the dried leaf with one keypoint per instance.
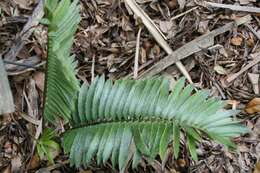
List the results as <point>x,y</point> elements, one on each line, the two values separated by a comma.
<point>173,171</point>
<point>244,2</point>
<point>223,52</point>
<point>254,79</point>
<point>257,167</point>
<point>250,42</point>
<point>236,41</point>
<point>165,26</point>
<point>16,163</point>
<point>253,106</point>
<point>39,80</point>
<point>147,45</point>
<point>243,148</point>
<point>172,4</point>
<point>156,50</point>
<point>220,70</point>
<point>7,169</point>
<point>99,19</point>
<point>181,4</point>
<point>24,4</point>
<point>181,162</point>
<point>143,56</point>
<point>8,147</point>
<point>35,162</point>
<point>203,27</point>
<point>168,27</point>
<point>126,24</point>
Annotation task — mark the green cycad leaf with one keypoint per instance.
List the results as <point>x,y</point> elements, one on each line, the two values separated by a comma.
<point>176,140</point>
<point>192,147</point>
<point>61,84</point>
<point>128,118</point>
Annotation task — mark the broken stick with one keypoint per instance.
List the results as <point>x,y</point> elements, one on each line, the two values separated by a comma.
<point>196,45</point>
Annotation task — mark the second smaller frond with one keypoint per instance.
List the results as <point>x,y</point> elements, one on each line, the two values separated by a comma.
<point>61,83</point>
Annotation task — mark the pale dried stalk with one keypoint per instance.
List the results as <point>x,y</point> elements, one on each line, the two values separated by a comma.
<point>158,36</point>
<point>137,50</point>
<point>93,69</point>
<point>234,7</point>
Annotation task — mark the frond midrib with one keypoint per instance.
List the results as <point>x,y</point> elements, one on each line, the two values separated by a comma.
<point>136,120</point>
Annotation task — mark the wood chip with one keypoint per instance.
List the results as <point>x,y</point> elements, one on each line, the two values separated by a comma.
<point>236,41</point>
<point>254,79</point>
<point>253,106</point>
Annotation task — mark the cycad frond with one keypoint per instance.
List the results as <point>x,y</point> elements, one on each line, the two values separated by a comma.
<point>129,118</point>
<point>126,119</point>
<point>61,83</point>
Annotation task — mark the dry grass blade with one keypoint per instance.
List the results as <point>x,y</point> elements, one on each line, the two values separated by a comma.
<point>158,36</point>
